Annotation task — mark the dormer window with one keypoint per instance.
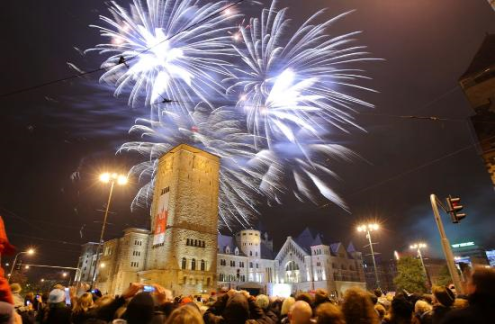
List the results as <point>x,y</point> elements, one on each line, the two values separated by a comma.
<point>227,250</point>
<point>236,251</point>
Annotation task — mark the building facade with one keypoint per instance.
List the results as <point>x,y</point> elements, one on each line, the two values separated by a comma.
<point>478,84</point>
<point>184,252</point>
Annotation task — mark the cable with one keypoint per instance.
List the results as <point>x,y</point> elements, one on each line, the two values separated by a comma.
<point>411,170</point>
<point>122,60</point>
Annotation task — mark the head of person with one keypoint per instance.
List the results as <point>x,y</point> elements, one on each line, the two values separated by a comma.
<point>328,313</point>
<point>482,283</point>
<point>357,307</point>
<point>381,311</point>
<point>236,309</point>
<point>140,309</point>
<point>185,315</point>
<point>263,301</point>
<point>84,303</point>
<point>305,297</point>
<point>56,296</point>
<point>300,313</point>
<point>15,288</point>
<point>378,292</point>
<point>286,305</point>
<point>401,308</point>
<point>422,307</point>
<point>321,296</point>
<point>442,296</point>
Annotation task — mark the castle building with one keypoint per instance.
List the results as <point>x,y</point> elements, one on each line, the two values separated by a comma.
<point>185,253</point>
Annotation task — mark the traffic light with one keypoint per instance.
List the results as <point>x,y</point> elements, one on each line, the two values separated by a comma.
<point>18,265</point>
<point>454,205</point>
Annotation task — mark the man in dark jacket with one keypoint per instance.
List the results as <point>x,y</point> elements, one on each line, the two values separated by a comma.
<point>481,291</point>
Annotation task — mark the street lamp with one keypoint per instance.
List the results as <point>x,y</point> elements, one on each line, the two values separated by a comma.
<point>112,178</point>
<point>418,247</point>
<point>28,252</point>
<point>368,228</point>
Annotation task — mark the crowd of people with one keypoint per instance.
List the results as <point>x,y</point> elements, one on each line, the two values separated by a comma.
<point>357,306</point>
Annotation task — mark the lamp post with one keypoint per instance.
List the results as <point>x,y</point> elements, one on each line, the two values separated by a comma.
<point>28,252</point>
<point>368,228</point>
<point>111,178</point>
<point>418,247</point>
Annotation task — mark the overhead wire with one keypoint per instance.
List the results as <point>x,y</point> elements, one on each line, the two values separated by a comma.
<point>124,61</point>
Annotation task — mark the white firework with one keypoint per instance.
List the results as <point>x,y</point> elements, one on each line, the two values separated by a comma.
<point>167,50</point>
<point>295,81</point>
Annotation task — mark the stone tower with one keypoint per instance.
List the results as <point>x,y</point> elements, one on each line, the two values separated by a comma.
<point>182,249</point>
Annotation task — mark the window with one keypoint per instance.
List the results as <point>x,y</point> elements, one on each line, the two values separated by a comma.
<point>203,265</point>
<point>223,262</point>
<point>256,253</point>
<point>236,251</point>
<point>250,253</point>
<point>251,265</point>
<point>250,233</point>
<point>232,263</point>
<point>193,264</point>
<point>187,242</point>
<point>184,263</point>
<point>257,265</point>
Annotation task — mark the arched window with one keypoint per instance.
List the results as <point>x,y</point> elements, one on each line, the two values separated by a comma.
<point>193,264</point>
<point>195,242</point>
<point>187,242</point>
<point>184,263</point>
<point>203,265</point>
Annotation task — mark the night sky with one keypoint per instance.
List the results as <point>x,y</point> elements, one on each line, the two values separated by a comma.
<point>56,140</point>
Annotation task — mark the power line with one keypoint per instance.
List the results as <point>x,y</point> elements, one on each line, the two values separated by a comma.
<point>411,170</point>
<point>122,60</point>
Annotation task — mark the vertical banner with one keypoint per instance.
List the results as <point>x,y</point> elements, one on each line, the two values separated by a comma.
<point>161,218</point>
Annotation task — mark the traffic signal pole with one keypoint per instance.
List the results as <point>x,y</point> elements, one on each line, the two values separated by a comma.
<point>447,251</point>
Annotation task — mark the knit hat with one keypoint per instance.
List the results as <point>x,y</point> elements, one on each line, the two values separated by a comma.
<point>56,296</point>
<point>444,295</point>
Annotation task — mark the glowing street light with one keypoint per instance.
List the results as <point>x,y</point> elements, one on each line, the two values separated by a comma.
<point>418,247</point>
<point>368,228</point>
<point>28,252</point>
<point>112,178</point>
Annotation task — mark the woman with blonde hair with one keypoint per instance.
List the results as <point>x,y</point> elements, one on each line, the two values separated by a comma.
<point>357,307</point>
<point>82,310</point>
<point>184,315</point>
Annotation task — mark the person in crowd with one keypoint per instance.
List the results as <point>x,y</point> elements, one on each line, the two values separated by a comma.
<point>442,301</point>
<point>276,306</point>
<point>421,308</point>
<point>381,311</point>
<point>357,307</point>
<point>328,313</point>
<point>140,309</point>
<point>401,310</point>
<point>481,295</point>
<point>300,313</point>
<point>16,294</point>
<point>284,312</point>
<point>236,307</point>
<point>83,309</point>
<point>185,315</point>
<point>57,312</point>
<point>263,302</point>
<point>321,296</point>
<point>304,296</point>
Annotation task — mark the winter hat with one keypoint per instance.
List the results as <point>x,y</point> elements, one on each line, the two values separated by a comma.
<point>140,309</point>
<point>444,295</point>
<point>56,296</point>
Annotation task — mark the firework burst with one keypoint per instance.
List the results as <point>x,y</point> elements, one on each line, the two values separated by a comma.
<point>166,50</point>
